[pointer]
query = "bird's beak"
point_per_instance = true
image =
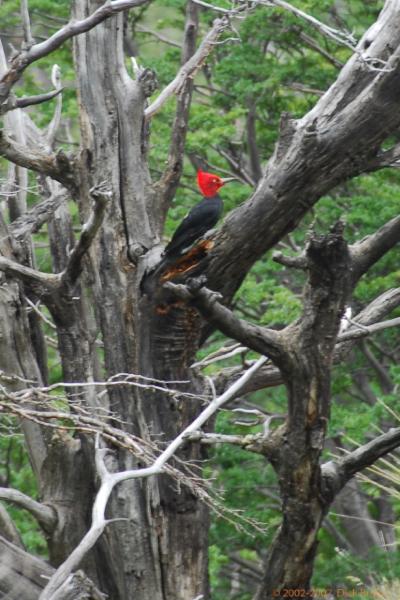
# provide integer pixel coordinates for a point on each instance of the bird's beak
(228, 179)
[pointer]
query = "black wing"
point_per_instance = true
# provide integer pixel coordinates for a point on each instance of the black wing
(200, 219)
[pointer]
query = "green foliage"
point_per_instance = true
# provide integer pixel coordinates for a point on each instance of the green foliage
(16, 472)
(347, 572)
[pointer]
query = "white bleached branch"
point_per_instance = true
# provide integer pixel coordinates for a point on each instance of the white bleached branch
(110, 480)
(190, 68)
(360, 331)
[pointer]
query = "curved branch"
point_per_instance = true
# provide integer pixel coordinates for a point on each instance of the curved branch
(292, 262)
(270, 376)
(32, 100)
(73, 28)
(47, 281)
(45, 516)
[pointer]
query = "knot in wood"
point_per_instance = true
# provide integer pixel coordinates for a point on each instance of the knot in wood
(148, 82)
(195, 284)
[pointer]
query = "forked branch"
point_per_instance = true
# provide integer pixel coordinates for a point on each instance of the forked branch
(46, 284)
(45, 516)
(32, 53)
(110, 480)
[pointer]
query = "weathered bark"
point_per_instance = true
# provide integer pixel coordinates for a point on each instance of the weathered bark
(160, 552)
(23, 577)
(306, 372)
(339, 138)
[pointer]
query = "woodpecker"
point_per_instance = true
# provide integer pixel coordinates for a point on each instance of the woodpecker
(202, 217)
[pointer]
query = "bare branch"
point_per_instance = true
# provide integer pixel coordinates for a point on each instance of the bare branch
(73, 28)
(293, 262)
(363, 254)
(225, 11)
(26, 23)
(344, 38)
(190, 68)
(158, 35)
(336, 473)
(315, 46)
(32, 220)
(100, 197)
(24, 101)
(40, 314)
(383, 374)
(238, 170)
(262, 340)
(369, 250)
(211, 439)
(172, 174)
(220, 354)
(269, 375)
(57, 166)
(258, 443)
(47, 281)
(362, 331)
(110, 480)
(44, 515)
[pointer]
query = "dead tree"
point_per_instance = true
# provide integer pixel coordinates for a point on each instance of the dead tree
(106, 287)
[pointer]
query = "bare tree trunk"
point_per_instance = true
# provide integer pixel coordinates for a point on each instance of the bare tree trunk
(160, 551)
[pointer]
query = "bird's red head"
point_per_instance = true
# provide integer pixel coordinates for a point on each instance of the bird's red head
(209, 184)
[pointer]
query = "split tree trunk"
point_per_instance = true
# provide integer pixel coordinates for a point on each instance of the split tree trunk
(160, 552)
